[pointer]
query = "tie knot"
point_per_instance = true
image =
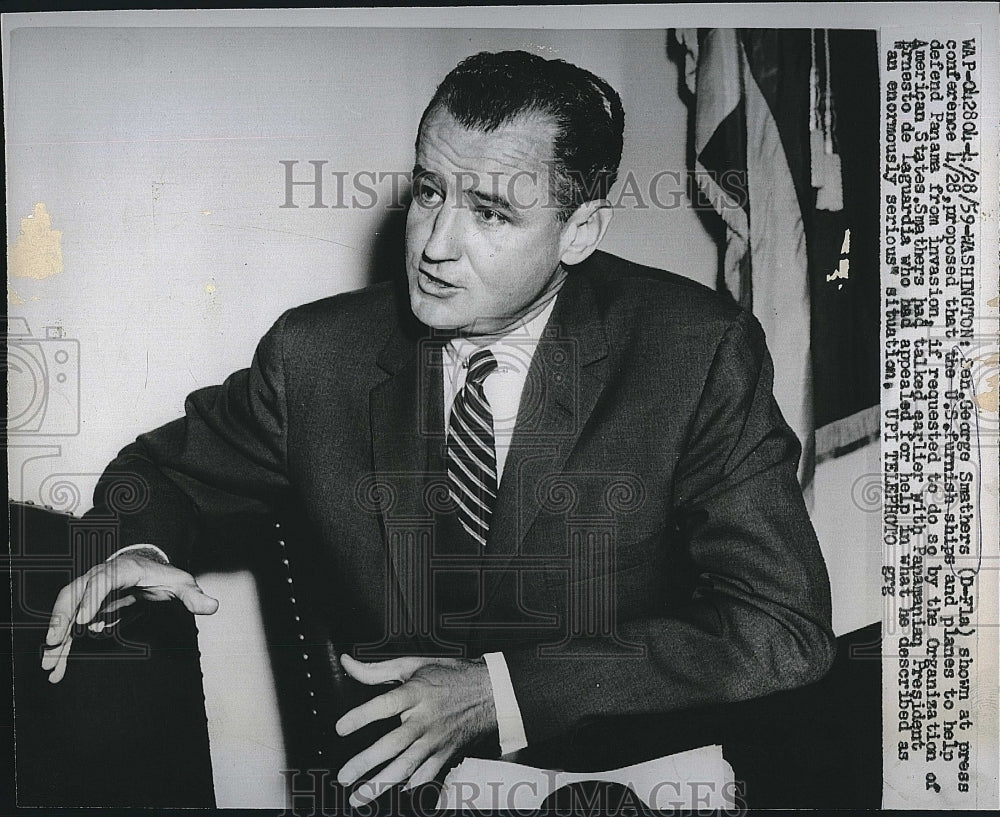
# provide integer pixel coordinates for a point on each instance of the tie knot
(481, 365)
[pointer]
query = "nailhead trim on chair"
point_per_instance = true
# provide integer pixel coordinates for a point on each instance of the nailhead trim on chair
(59, 511)
(297, 618)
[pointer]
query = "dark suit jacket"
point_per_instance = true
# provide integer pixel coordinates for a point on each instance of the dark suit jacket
(650, 550)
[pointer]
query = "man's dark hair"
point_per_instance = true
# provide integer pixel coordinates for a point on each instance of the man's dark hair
(486, 91)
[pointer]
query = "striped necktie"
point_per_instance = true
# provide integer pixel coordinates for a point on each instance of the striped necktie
(472, 458)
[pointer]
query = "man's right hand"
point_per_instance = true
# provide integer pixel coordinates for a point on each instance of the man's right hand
(85, 601)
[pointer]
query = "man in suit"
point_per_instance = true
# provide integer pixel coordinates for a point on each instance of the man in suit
(546, 484)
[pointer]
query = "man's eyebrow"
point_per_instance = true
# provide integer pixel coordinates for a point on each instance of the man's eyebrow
(421, 172)
(481, 196)
(494, 199)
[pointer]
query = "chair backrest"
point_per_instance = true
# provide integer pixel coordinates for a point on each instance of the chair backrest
(86, 741)
(313, 689)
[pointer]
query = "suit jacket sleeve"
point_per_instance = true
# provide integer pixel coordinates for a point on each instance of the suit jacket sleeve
(226, 455)
(759, 620)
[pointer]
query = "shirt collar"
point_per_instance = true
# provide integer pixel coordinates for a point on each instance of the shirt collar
(513, 349)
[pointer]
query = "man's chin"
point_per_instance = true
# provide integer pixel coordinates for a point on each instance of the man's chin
(433, 314)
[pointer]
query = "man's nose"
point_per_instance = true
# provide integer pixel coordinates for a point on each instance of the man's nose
(442, 244)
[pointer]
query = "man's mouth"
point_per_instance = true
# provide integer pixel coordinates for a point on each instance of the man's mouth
(433, 283)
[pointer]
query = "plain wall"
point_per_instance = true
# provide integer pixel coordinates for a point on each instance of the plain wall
(157, 153)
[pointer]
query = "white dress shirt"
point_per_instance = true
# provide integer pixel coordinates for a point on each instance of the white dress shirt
(503, 387)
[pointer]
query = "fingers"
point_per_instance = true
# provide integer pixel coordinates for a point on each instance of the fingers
(64, 610)
(102, 580)
(117, 604)
(104, 621)
(438, 703)
(381, 751)
(393, 702)
(383, 672)
(176, 584)
(85, 599)
(55, 658)
(195, 599)
(58, 638)
(396, 772)
(428, 770)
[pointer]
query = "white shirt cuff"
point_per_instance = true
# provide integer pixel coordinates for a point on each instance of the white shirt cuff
(509, 723)
(152, 551)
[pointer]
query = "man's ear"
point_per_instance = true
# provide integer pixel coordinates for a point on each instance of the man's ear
(584, 230)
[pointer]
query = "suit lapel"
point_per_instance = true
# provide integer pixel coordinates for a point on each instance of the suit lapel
(406, 419)
(564, 382)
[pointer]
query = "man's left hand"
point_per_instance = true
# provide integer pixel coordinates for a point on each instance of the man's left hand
(444, 704)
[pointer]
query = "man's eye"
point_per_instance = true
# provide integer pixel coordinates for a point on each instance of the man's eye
(428, 195)
(490, 216)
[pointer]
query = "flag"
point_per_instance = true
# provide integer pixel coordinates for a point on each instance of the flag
(767, 159)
